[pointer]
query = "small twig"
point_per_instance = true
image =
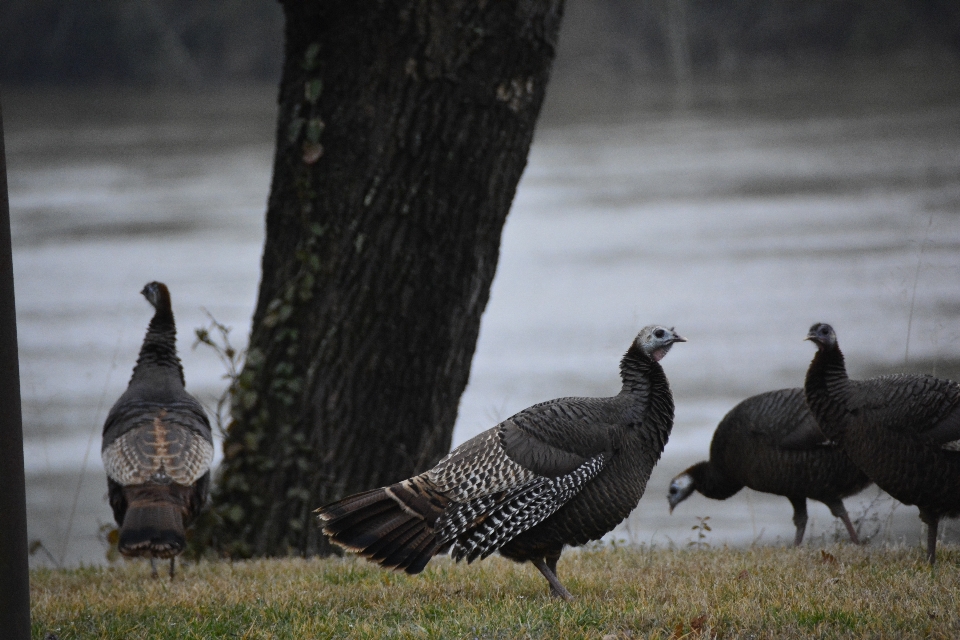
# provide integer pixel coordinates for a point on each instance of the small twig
(230, 357)
(701, 528)
(913, 295)
(86, 454)
(37, 546)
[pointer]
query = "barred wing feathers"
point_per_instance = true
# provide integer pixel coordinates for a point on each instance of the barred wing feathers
(521, 510)
(159, 449)
(473, 501)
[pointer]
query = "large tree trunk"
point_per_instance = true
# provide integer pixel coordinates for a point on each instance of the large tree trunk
(403, 130)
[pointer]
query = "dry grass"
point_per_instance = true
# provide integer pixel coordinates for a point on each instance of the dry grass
(630, 592)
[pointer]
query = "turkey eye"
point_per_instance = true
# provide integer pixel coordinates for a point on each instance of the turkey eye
(658, 333)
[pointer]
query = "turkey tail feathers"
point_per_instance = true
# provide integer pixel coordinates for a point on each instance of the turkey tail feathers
(153, 523)
(391, 526)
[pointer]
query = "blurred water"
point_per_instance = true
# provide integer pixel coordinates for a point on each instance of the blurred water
(741, 226)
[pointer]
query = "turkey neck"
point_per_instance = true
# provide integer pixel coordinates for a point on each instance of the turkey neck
(711, 482)
(827, 390)
(159, 349)
(646, 384)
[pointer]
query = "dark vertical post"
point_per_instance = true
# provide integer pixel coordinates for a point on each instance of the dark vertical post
(14, 572)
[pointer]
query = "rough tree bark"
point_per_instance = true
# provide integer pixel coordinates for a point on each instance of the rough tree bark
(403, 129)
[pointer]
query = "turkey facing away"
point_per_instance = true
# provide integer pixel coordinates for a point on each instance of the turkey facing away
(902, 430)
(157, 446)
(561, 472)
(770, 442)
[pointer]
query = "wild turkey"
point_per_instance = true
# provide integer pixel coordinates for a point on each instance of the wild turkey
(770, 442)
(902, 430)
(561, 472)
(157, 446)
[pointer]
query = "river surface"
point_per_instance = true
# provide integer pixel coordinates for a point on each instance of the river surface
(741, 212)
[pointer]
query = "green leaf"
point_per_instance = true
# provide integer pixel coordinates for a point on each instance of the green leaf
(312, 90)
(235, 513)
(310, 56)
(315, 129)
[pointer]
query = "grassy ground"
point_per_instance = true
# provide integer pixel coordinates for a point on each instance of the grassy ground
(626, 592)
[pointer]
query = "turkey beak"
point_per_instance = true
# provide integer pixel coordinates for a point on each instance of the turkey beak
(678, 338)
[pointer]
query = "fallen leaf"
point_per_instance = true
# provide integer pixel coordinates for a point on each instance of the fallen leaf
(312, 152)
(827, 558)
(698, 623)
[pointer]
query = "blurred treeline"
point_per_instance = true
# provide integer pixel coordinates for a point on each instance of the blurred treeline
(139, 41)
(225, 41)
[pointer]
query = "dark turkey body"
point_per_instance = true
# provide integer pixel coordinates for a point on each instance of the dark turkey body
(157, 445)
(607, 500)
(883, 439)
(763, 443)
(157, 458)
